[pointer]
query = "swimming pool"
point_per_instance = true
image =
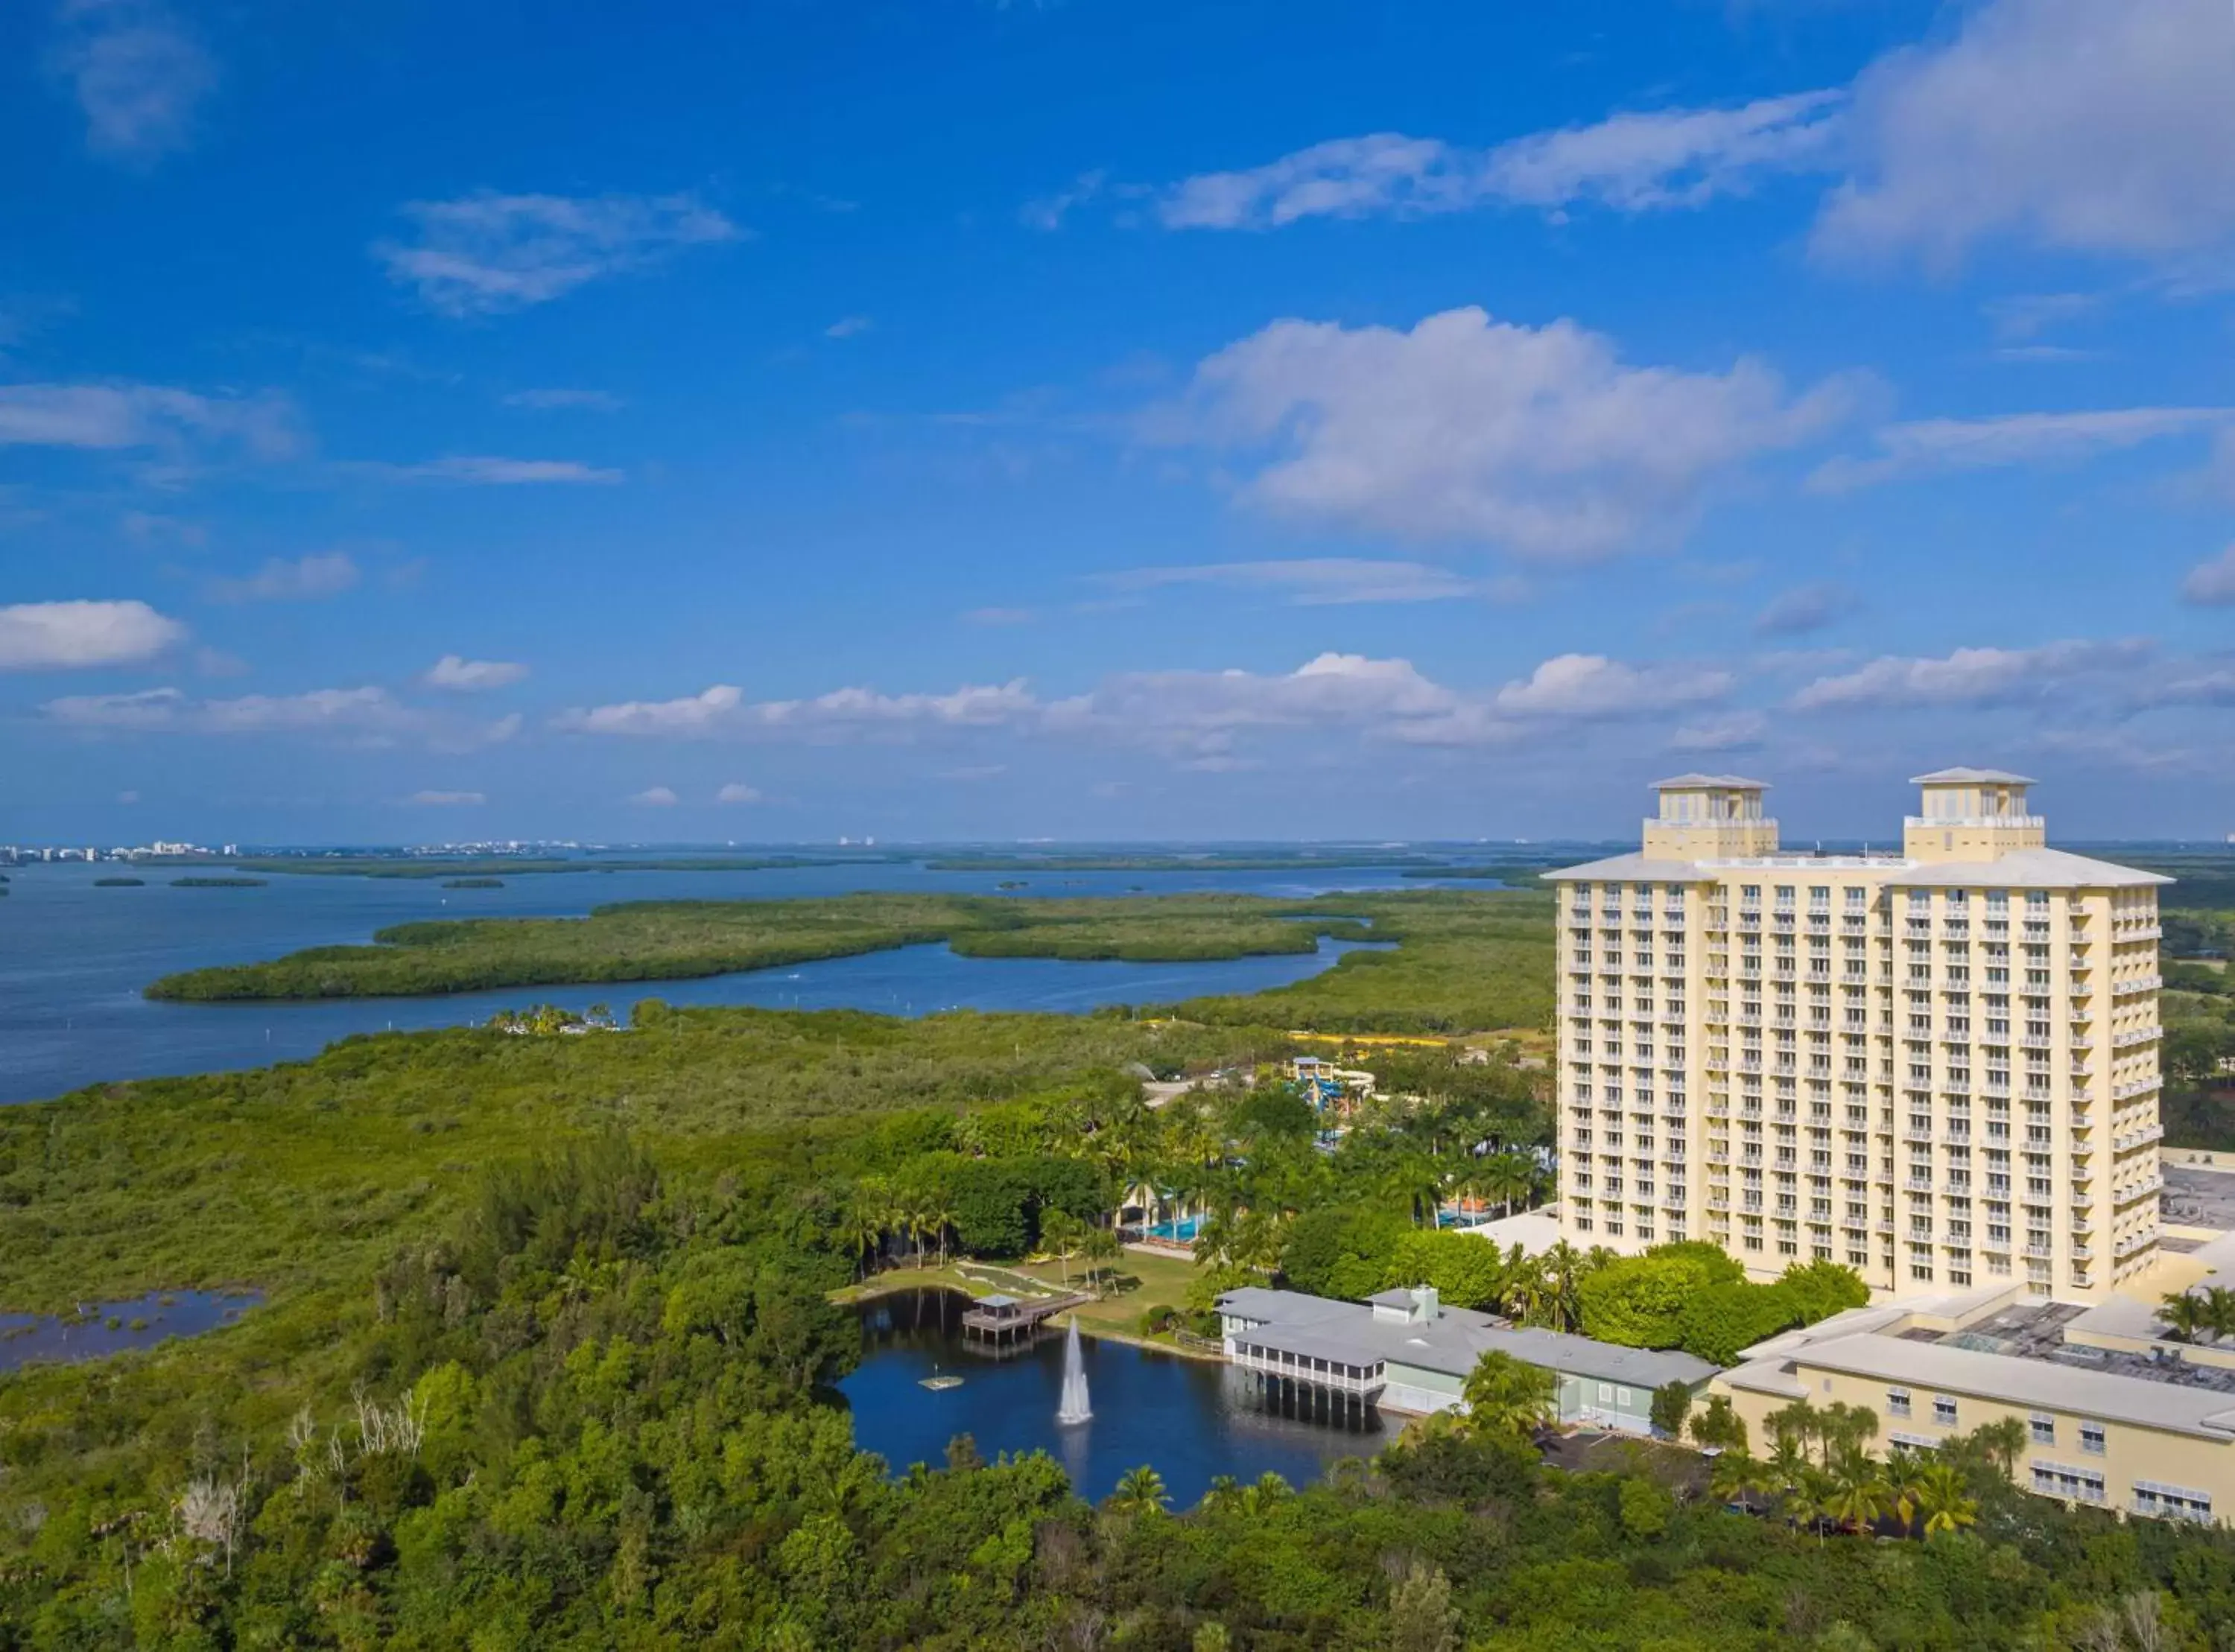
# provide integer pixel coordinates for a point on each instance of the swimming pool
(1177, 1231)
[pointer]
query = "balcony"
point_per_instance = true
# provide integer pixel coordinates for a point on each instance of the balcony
(2139, 983)
(1942, 822)
(2138, 1035)
(2136, 1087)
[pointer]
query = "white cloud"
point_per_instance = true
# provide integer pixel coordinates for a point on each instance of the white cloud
(656, 797)
(1325, 581)
(1740, 731)
(486, 253)
(2070, 124)
(358, 711)
(723, 711)
(1591, 685)
(1539, 440)
(446, 800)
(1928, 446)
(1000, 617)
(2028, 314)
(456, 672)
(307, 578)
(45, 637)
(128, 797)
(737, 792)
(486, 472)
(1049, 212)
(118, 416)
(367, 715)
(1632, 162)
(848, 327)
(1807, 608)
(2211, 583)
(548, 401)
(1972, 676)
(137, 73)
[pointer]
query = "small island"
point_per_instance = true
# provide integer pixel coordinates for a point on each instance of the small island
(218, 883)
(473, 883)
(119, 883)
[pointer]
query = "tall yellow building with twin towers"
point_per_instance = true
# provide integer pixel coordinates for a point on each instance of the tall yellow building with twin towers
(1938, 1067)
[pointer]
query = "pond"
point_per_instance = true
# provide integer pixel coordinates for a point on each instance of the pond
(112, 1328)
(1192, 1419)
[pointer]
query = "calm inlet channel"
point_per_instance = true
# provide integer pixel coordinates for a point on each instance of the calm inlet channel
(1190, 1420)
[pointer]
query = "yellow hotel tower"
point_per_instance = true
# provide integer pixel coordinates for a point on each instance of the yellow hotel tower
(1938, 1067)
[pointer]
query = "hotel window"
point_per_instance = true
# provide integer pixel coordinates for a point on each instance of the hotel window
(1897, 1402)
(2091, 1438)
(2181, 1502)
(2044, 1429)
(2079, 1485)
(1943, 1410)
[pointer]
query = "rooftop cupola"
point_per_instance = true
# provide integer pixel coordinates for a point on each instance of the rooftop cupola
(1709, 817)
(1971, 814)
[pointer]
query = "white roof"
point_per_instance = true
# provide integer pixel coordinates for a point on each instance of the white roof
(2028, 869)
(1971, 777)
(1694, 782)
(2204, 1412)
(1634, 868)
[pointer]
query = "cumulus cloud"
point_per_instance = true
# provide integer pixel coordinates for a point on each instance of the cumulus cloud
(463, 676)
(1929, 446)
(737, 792)
(138, 74)
(1591, 685)
(307, 579)
(1323, 581)
(723, 711)
(848, 327)
(2068, 124)
(1540, 440)
(1049, 212)
(486, 253)
(1807, 608)
(47, 637)
(1972, 676)
(119, 416)
(1631, 162)
(656, 797)
(446, 800)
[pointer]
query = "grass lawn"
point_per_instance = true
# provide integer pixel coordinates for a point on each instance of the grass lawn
(1139, 1282)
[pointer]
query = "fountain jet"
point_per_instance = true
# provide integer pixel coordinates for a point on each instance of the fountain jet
(1074, 1408)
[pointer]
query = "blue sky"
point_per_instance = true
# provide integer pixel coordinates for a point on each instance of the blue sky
(1110, 419)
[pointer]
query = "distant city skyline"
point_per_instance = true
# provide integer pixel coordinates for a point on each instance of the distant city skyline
(973, 421)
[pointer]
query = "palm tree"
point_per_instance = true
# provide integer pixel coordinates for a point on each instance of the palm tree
(1943, 1499)
(2002, 1443)
(1223, 1494)
(1100, 1246)
(1904, 1486)
(2182, 1314)
(1736, 1477)
(1417, 1181)
(1787, 1462)
(1060, 1232)
(1564, 1269)
(1506, 1396)
(2219, 1311)
(1857, 1495)
(1140, 1491)
(942, 1217)
(861, 1224)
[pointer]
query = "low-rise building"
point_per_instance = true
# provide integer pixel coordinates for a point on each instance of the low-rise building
(2115, 1416)
(1404, 1350)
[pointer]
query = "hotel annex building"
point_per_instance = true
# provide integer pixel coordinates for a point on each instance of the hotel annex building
(1938, 1067)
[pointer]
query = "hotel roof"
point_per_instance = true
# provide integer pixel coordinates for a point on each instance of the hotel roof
(1971, 777)
(1727, 782)
(1904, 1362)
(2029, 869)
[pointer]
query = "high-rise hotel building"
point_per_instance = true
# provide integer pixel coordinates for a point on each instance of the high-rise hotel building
(1938, 1067)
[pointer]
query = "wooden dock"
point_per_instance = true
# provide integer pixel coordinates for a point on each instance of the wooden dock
(1004, 1319)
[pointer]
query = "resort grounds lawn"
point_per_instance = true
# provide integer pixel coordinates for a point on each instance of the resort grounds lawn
(1139, 1280)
